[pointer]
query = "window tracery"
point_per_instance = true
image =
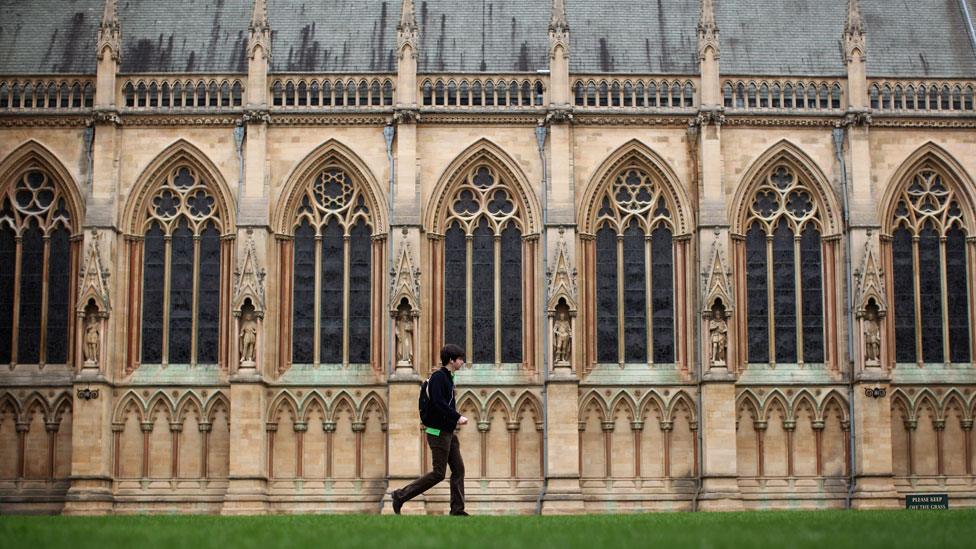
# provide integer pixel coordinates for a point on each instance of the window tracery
(35, 250)
(929, 259)
(182, 260)
(483, 269)
(332, 270)
(635, 309)
(784, 276)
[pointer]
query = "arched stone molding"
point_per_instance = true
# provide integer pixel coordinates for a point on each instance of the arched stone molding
(526, 216)
(792, 155)
(623, 401)
(136, 218)
(681, 399)
(187, 402)
(960, 190)
(181, 152)
(652, 403)
(372, 401)
(956, 177)
(823, 212)
(636, 153)
(593, 397)
(130, 399)
(33, 154)
(487, 152)
(680, 220)
(330, 153)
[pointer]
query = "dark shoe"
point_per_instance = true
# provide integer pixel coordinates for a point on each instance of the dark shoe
(460, 514)
(397, 503)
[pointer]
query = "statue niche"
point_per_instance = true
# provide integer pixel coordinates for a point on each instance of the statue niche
(562, 335)
(248, 336)
(718, 334)
(93, 336)
(872, 334)
(404, 334)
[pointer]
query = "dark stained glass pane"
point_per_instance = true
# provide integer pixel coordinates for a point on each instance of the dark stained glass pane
(756, 292)
(904, 293)
(31, 285)
(303, 296)
(360, 264)
(784, 292)
(483, 294)
(455, 296)
(330, 346)
(930, 294)
(511, 294)
(208, 308)
(958, 288)
(662, 268)
(153, 291)
(811, 281)
(635, 295)
(58, 306)
(606, 295)
(8, 255)
(181, 295)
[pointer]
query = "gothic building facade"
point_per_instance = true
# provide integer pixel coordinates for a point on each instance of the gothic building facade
(702, 254)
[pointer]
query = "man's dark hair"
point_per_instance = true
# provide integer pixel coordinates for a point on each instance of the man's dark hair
(451, 352)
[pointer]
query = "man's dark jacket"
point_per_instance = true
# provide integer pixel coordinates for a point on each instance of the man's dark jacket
(442, 412)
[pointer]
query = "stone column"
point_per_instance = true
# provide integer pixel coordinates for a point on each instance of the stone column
(720, 487)
(874, 487)
(563, 495)
(404, 445)
(248, 475)
(91, 447)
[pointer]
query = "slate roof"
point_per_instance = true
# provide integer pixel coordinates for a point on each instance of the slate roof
(482, 35)
(782, 37)
(633, 36)
(49, 36)
(333, 35)
(184, 36)
(906, 38)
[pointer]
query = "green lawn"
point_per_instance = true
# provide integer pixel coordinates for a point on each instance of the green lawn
(818, 529)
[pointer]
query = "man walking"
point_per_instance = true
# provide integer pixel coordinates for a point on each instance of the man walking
(442, 419)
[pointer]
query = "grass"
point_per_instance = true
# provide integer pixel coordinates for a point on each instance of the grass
(815, 529)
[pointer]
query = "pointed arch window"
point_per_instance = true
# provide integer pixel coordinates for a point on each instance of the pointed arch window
(635, 308)
(183, 261)
(332, 269)
(37, 259)
(930, 275)
(784, 278)
(483, 259)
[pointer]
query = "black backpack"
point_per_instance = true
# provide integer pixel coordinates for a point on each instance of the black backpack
(423, 403)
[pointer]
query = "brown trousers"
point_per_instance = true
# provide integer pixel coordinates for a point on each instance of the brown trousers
(445, 451)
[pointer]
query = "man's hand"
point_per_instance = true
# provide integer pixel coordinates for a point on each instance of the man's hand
(463, 421)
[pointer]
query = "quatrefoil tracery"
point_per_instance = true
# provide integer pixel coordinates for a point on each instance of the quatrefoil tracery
(928, 203)
(634, 196)
(782, 196)
(332, 195)
(34, 198)
(483, 195)
(183, 196)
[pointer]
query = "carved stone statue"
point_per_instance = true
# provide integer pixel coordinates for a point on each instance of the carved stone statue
(718, 330)
(404, 335)
(249, 338)
(872, 338)
(562, 337)
(92, 340)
